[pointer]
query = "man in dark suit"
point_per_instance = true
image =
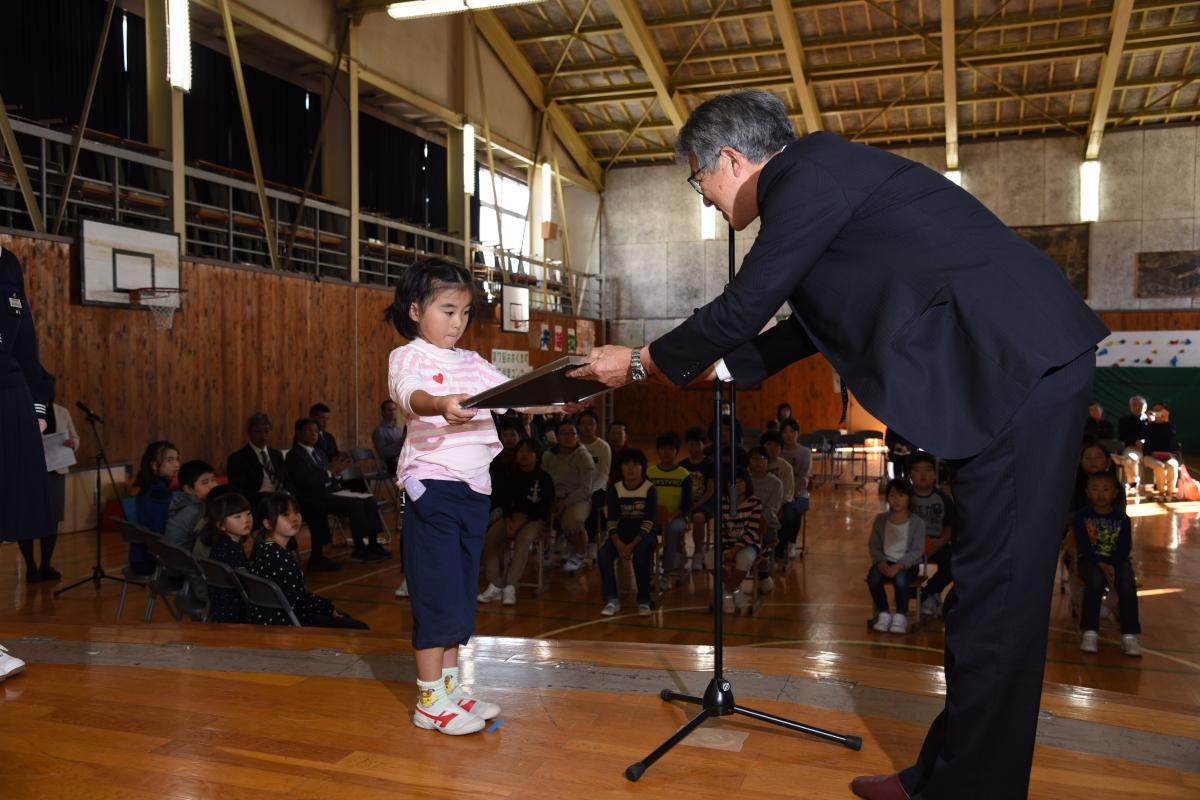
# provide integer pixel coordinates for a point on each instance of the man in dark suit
(950, 329)
(317, 486)
(325, 441)
(257, 468)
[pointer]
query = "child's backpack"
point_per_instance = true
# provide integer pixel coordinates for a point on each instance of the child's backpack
(1188, 488)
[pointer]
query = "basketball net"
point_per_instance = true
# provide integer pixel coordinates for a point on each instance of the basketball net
(163, 302)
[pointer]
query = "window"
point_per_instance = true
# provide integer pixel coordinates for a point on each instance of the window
(514, 205)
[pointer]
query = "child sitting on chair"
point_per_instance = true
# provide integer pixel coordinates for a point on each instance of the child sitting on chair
(196, 480)
(1103, 537)
(740, 541)
(279, 515)
(632, 507)
(152, 497)
(896, 545)
(673, 483)
(704, 488)
(227, 522)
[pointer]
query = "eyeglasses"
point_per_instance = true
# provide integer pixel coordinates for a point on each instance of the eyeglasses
(694, 183)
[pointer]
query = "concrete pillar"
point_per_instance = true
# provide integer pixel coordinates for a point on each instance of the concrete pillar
(164, 112)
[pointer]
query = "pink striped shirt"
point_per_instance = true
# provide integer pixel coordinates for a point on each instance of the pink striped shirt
(434, 449)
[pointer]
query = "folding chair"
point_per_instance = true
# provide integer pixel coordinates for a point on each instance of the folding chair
(219, 575)
(133, 533)
(925, 571)
(263, 593)
(179, 578)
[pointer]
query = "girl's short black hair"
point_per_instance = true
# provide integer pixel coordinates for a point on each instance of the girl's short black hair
(419, 284)
(272, 506)
(531, 444)
(900, 485)
(216, 510)
(631, 455)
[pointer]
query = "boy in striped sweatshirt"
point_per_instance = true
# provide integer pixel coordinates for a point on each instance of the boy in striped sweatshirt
(632, 504)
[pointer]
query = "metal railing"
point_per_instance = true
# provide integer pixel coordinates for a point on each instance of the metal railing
(126, 182)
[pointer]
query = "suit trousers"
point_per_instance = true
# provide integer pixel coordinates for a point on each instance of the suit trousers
(1011, 499)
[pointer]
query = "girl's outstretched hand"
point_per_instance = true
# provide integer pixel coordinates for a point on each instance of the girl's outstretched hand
(448, 406)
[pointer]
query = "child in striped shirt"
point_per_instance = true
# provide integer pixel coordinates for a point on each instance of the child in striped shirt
(443, 467)
(741, 539)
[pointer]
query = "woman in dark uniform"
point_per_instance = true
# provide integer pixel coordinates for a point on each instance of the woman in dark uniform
(26, 394)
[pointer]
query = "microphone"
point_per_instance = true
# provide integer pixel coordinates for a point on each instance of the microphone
(82, 406)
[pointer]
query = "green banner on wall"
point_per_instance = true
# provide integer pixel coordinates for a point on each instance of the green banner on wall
(1178, 387)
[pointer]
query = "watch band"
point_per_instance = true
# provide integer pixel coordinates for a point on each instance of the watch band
(637, 371)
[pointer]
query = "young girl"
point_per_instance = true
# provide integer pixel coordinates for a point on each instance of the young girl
(159, 466)
(228, 521)
(279, 515)
(896, 545)
(741, 541)
(444, 470)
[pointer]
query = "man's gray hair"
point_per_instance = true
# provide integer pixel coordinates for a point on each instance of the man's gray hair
(256, 419)
(755, 123)
(1140, 399)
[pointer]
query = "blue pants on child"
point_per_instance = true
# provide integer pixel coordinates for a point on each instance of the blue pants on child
(643, 565)
(444, 531)
(1124, 584)
(900, 583)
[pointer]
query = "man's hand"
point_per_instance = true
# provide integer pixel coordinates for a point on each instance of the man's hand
(448, 406)
(608, 364)
(340, 462)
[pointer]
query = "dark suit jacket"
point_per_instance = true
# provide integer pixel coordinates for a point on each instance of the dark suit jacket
(328, 445)
(246, 473)
(307, 479)
(937, 316)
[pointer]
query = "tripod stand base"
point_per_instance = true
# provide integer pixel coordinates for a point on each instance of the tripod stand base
(98, 575)
(718, 702)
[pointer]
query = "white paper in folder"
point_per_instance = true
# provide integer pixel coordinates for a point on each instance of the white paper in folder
(58, 455)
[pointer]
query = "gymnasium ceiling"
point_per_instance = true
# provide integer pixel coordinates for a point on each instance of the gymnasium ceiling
(627, 72)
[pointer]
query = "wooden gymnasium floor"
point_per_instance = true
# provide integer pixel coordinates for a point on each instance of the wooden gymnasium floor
(167, 710)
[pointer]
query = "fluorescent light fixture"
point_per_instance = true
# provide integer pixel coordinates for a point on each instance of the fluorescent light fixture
(411, 9)
(468, 162)
(954, 176)
(179, 46)
(546, 185)
(708, 221)
(1089, 190)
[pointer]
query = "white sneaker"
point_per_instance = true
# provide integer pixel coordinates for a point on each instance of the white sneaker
(883, 622)
(480, 708)
(644, 610)
(741, 600)
(572, 564)
(510, 596)
(766, 585)
(403, 590)
(491, 594)
(1130, 645)
(727, 604)
(931, 606)
(9, 665)
(448, 718)
(610, 608)
(791, 552)
(1089, 642)
(899, 624)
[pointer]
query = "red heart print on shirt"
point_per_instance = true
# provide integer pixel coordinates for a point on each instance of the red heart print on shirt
(440, 378)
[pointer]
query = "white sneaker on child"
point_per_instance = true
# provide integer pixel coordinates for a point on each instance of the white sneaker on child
(491, 594)
(727, 604)
(899, 624)
(510, 596)
(455, 694)
(572, 564)
(883, 622)
(438, 713)
(791, 552)
(610, 608)
(1089, 642)
(9, 665)
(766, 585)
(741, 599)
(644, 610)
(1130, 645)
(403, 590)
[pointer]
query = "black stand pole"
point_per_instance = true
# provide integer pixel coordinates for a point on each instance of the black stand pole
(98, 573)
(718, 697)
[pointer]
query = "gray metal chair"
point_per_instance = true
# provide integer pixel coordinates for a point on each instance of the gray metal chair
(179, 579)
(135, 534)
(265, 594)
(219, 575)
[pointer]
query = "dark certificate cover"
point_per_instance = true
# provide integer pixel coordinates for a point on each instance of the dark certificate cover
(544, 386)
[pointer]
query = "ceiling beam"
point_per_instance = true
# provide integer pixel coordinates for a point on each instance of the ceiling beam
(644, 47)
(789, 34)
(949, 85)
(523, 73)
(1118, 29)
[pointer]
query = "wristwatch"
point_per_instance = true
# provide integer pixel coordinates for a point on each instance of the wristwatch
(637, 372)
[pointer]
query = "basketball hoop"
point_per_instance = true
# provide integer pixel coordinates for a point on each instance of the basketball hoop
(162, 301)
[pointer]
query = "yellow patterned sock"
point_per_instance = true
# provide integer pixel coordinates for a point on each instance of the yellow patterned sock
(430, 692)
(450, 680)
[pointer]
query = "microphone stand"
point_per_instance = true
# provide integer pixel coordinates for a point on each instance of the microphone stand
(718, 697)
(98, 574)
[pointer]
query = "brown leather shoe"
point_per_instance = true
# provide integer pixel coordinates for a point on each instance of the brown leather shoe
(879, 787)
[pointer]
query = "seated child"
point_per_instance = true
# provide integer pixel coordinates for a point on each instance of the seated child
(703, 491)
(673, 484)
(740, 541)
(1103, 537)
(196, 480)
(937, 510)
(527, 497)
(152, 499)
(227, 522)
(789, 510)
(896, 545)
(632, 504)
(279, 515)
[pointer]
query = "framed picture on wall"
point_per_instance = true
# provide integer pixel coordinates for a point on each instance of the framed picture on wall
(1066, 245)
(1172, 274)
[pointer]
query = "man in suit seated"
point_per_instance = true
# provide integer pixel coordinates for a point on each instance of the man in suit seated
(327, 444)
(257, 468)
(316, 484)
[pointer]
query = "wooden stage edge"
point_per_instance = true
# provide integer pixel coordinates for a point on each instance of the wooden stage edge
(166, 710)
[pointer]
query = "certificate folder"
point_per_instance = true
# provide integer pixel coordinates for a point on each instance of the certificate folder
(544, 386)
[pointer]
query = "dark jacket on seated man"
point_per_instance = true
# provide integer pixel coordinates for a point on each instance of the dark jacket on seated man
(315, 488)
(246, 473)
